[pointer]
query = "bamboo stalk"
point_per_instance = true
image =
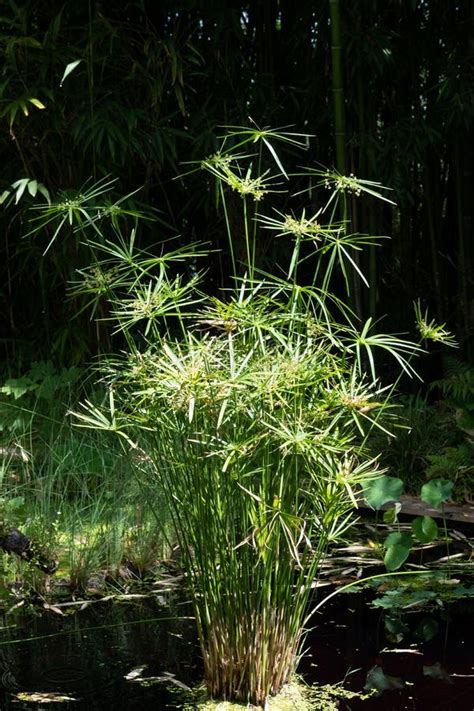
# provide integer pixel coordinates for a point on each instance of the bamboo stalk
(337, 86)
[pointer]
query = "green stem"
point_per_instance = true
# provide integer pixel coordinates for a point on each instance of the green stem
(228, 229)
(250, 249)
(337, 85)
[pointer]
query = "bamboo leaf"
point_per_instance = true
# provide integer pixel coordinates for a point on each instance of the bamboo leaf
(36, 102)
(69, 69)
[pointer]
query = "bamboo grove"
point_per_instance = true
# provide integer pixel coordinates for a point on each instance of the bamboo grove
(385, 89)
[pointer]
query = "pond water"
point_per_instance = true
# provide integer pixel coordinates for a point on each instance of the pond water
(429, 655)
(87, 655)
(426, 659)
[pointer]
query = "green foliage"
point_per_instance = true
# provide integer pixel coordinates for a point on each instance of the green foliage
(436, 492)
(254, 410)
(73, 494)
(42, 379)
(455, 460)
(12, 509)
(67, 120)
(35, 402)
(436, 441)
(420, 592)
(382, 490)
(425, 529)
(457, 463)
(458, 384)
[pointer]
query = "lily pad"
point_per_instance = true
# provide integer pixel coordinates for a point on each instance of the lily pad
(395, 556)
(400, 599)
(427, 629)
(436, 671)
(437, 492)
(398, 538)
(382, 490)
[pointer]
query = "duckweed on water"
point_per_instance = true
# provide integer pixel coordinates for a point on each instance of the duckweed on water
(295, 696)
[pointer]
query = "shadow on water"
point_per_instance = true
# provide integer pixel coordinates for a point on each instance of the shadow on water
(425, 659)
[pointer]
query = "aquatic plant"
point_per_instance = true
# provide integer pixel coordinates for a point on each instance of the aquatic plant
(251, 410)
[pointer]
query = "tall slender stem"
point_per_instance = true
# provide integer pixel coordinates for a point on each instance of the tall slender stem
(337, 86)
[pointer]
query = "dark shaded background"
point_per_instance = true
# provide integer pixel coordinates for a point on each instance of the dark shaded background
(158, 79)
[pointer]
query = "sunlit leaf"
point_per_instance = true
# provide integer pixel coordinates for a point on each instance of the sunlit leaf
(437, 492)
(32, 187)
(70, 68)
(36, 102)
(382, 490)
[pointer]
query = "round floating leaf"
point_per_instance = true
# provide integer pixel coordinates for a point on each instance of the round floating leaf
(425, 529)
(436, 492)
(436, 671)
(395, 556)
(382, 490)
(377, 681)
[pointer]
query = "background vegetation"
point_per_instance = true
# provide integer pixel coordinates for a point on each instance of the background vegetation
(153, 82)
(103, 106)
(107, 113)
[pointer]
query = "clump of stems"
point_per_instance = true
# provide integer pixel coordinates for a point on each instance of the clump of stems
(254, 410)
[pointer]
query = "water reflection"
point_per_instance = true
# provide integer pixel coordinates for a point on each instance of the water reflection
(87, 655)
(420, 660)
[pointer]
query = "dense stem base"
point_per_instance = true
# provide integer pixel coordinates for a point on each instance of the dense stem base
(250, 661)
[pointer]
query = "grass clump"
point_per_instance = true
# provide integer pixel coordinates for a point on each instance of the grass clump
(73, 494)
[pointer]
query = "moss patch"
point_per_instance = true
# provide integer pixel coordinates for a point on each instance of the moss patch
(292, 696)
(295, 696)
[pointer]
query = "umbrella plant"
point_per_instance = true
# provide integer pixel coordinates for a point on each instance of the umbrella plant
(251, 409)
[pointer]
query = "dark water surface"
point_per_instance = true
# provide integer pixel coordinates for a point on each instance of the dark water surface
(430, 653)
(87, 655)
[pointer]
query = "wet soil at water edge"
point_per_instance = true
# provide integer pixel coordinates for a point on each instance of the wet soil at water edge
(101, 658)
